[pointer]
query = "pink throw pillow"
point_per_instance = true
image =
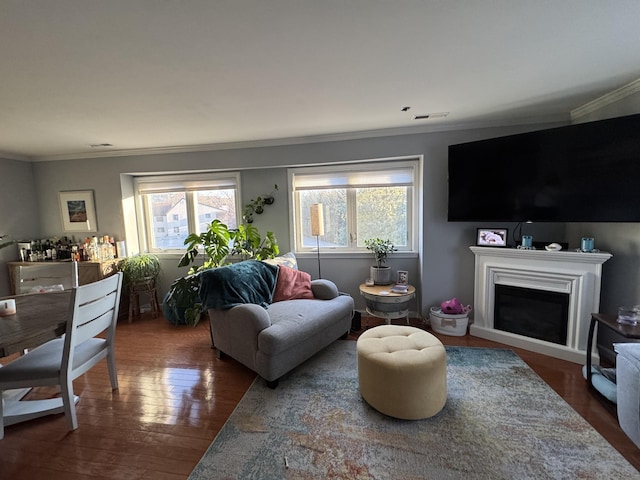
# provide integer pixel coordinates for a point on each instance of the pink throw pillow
(292, 284)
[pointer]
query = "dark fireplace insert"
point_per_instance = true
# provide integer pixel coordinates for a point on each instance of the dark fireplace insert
(532, 313)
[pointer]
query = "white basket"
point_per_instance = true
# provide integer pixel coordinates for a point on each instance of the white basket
(448, 324)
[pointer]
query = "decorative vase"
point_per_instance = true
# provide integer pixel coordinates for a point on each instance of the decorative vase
(380, 275)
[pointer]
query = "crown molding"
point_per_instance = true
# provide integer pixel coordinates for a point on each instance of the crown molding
(334, 137)
(15, 156)
(607, 99)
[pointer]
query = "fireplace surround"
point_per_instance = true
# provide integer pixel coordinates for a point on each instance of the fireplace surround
(576, 274)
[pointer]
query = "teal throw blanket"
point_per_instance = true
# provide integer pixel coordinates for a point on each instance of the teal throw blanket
(250, 281)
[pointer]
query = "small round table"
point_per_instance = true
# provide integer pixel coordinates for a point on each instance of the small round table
(383, 303)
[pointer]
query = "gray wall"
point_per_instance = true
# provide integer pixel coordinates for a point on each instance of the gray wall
(446, 263)
(19, 212)
(621, 274)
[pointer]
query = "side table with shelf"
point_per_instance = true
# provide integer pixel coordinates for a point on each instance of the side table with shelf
(383, 303)
(609, 321)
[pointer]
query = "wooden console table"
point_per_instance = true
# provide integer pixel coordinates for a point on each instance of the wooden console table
(88, 272)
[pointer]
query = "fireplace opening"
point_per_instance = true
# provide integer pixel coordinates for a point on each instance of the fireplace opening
(533, 313)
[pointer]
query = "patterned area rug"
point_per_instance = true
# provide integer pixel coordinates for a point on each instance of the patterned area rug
(501, 421)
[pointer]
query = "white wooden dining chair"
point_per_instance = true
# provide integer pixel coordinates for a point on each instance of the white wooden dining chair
(93, 311)
(42, 275)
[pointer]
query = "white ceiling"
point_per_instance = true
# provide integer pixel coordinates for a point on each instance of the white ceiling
(163, 74)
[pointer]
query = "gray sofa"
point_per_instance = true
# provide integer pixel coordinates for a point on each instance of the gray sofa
(628, 388)
(275, 338)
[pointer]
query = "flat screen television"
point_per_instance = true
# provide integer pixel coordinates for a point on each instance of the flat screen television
(588, 172)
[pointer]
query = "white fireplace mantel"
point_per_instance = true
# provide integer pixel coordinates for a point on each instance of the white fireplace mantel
(576, 273)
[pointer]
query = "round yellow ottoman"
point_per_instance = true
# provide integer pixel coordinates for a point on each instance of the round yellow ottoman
(402, 371)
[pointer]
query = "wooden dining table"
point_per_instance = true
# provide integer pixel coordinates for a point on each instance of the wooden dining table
(39, 317)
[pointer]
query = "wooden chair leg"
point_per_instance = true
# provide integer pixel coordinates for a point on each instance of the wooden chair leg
(155, 308)
(131, 302)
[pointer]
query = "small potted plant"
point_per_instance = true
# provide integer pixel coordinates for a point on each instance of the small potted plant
(139, 268)
(139, 276)
(256, 205)
(380, 274)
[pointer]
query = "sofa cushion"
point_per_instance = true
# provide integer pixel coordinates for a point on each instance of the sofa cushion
(292, 284)
(296, 321)
(288, 259)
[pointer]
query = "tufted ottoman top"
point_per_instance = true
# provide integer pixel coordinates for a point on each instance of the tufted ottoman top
(401, 345)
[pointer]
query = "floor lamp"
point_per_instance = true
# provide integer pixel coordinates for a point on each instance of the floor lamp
(317, 228)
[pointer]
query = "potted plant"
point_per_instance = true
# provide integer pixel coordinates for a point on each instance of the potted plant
(139, 275)
(139, 268)
(182, 302)
(380, 274)
(256, 205)
(248, 243)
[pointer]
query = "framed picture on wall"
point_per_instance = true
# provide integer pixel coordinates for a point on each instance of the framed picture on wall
(492, 237)
(78, 211)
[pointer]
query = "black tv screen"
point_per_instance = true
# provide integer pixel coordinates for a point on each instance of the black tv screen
(587, 172)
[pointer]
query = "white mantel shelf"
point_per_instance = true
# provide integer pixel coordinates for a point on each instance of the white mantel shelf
(577, 274)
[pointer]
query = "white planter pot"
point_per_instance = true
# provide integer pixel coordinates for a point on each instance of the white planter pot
(380, 275)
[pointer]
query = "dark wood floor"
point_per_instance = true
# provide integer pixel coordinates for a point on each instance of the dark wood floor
(174, 397)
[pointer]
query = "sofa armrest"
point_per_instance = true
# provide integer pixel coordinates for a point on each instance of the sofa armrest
(235, 331)
(324, 289)
(250, 318)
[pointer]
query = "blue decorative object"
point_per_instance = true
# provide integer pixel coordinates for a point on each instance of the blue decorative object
(586, 244)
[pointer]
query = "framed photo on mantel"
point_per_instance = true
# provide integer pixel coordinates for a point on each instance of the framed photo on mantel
(492, 237)
(78, 211)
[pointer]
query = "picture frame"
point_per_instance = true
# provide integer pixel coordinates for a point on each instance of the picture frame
(492, 237)
(403, 278)
(78, 211)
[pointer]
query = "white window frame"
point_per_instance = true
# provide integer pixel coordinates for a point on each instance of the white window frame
(188, 183)
(414, 163)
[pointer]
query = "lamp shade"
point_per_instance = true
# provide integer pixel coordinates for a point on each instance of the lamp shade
(317, 220)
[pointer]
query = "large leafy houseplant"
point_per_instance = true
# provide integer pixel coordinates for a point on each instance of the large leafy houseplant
(248, 243)
(217, 243)
(182, 303)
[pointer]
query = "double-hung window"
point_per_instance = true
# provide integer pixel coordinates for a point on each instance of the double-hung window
(359, 201)
(175, 206)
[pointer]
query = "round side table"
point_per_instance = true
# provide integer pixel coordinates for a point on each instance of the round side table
(383, 303)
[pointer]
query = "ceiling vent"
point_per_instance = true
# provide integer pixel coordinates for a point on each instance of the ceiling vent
(431, 115)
